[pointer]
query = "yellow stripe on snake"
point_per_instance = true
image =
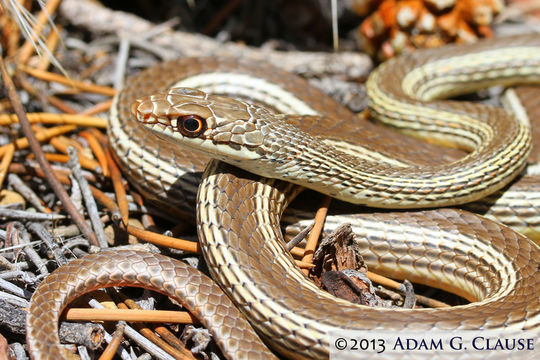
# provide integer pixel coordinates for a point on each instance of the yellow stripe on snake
(238, 213)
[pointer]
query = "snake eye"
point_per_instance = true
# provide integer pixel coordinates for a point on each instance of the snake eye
(191, 125)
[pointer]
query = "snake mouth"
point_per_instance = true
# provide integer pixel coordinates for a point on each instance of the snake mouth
(134, 108)
(142, 111)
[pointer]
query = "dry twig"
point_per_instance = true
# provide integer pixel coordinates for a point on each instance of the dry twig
(34, 145)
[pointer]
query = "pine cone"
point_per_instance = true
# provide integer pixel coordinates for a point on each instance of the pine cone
(395, 26)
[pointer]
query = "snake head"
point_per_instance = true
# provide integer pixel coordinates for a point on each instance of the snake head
(217, 126)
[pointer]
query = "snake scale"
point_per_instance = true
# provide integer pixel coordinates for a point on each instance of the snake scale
(238, 213)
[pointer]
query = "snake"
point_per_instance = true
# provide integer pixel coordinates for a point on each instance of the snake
(288, 136)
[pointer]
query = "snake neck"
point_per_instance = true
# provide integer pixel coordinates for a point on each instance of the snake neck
(291, 154)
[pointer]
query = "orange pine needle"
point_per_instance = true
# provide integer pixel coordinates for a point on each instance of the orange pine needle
(163, 240)
(61, 79)
(119, 190)
(112, 347)
(166, 338)
(315, 233)
(297, 251)
(57, 119)
(79, 314)
(51, 44)
(62, 146)
(22, 143)
(304, 265)
(6, 161)
(98, 108)
(98, 151)
(61, 158)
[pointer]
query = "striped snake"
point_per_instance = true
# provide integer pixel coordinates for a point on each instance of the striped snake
(238, 213)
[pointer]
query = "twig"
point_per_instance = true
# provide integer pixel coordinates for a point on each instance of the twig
(335, 34)
(83, 353)
(139, 339)
(98, 108)
(8, 265)
(89, 335)
(118, 185)
(18, 351)
(14, 300)
(83, 159)
(176, 347)
(12, 36)
(51, 99)
(389, 283)
(15, 290)
(114, 344)
(297, 251)
(86, 163)
(349, 65)
(150, 335)
(146, 218)
(304, 265)
(162, 240)
(98, 151)
(64, 179)
(50, 118)
(61, 172)
(45, 235)
(19, 235)
(49, 76)
(313, 238)
(107, 202)
(122, 353)
(175, 342)
(299, 237)
(410, 299)
(23, 143)
(18, 185)
(394, 296)
(27, 277)
(28, 215)
(136, 315)
(89, 200)
(36, 149)
(62, 142)
(6, 161)
(121, 61)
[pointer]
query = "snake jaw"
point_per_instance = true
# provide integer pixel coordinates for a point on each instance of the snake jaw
(229, 129)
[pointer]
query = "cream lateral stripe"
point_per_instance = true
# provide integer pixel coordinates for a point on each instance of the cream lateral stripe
(362, 153)
(432, 73)
(256, 88)
(389, 105)
(512, 104)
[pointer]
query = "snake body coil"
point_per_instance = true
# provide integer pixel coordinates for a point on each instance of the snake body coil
(239, 213)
